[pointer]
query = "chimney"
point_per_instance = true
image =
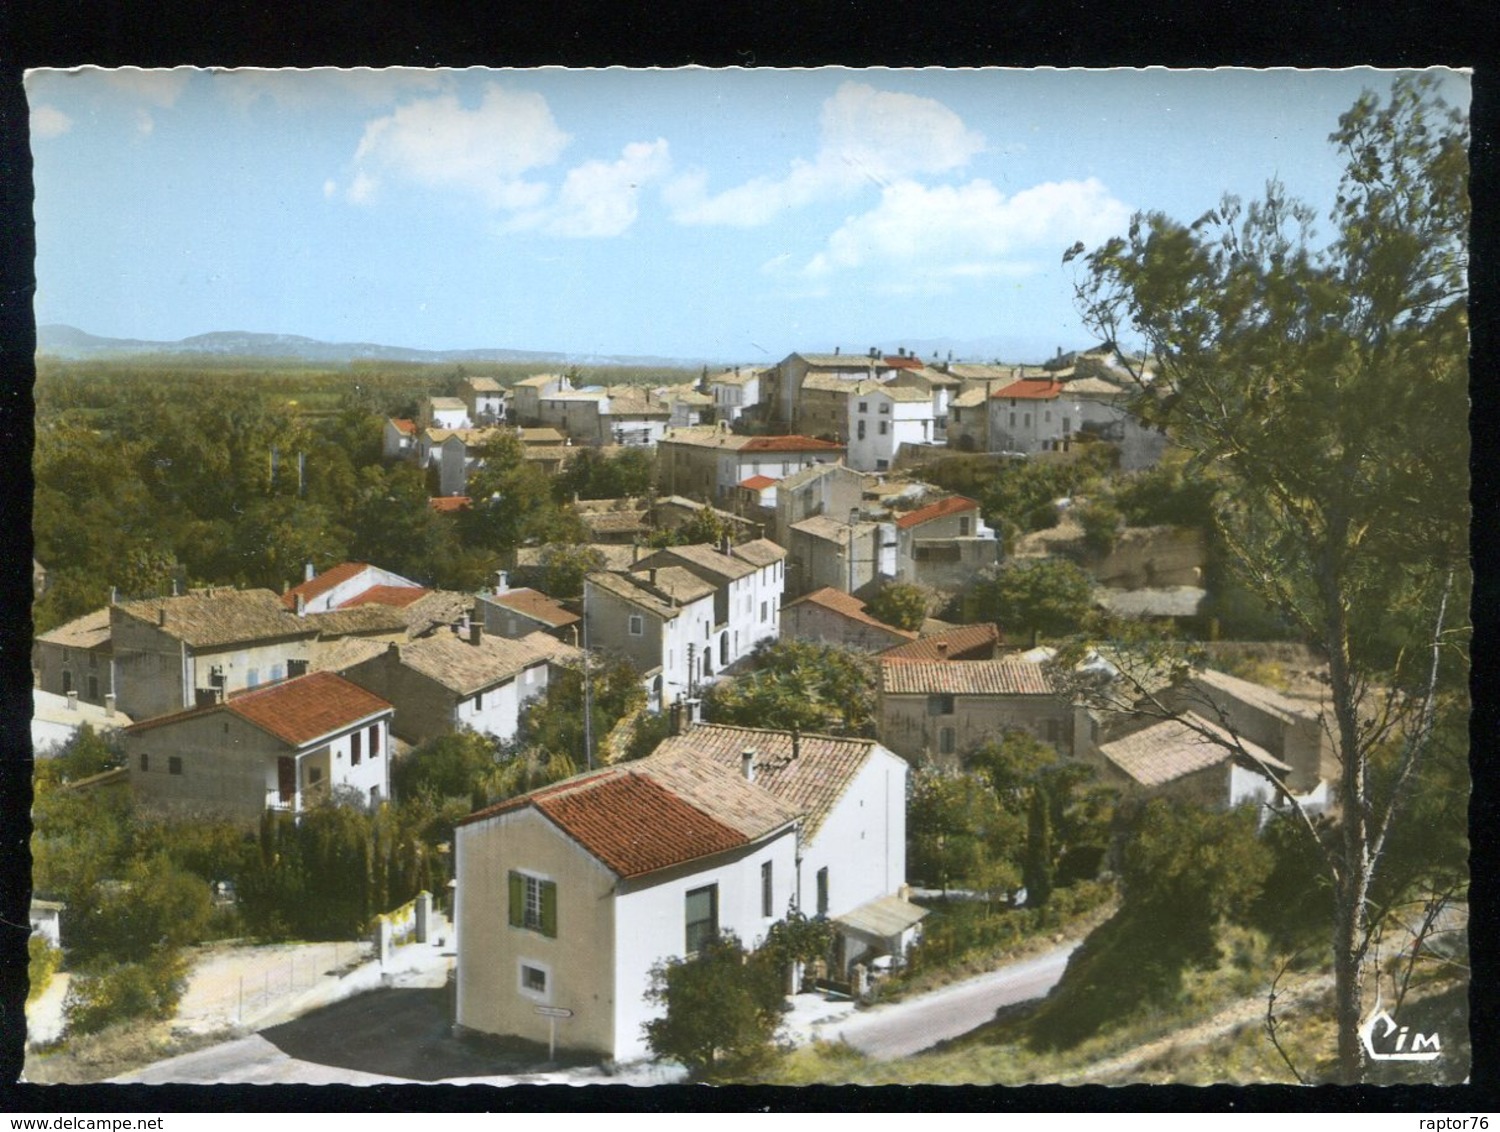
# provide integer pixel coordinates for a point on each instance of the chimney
(308, 573)
(476, 632)
(942, 649)
(161, 616)
(725, 545)
(747, 763)
(109, 704)
(301, 605)
(174, 587)
(635, 553)
(114, 594)
(72, 701)
(651, 575)
(502, 582)
(836, 351)
(796, 742)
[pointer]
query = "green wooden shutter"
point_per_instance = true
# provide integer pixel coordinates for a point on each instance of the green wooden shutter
(517, 900)
(549, 909)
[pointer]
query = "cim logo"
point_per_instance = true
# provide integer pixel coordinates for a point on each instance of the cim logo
(1377, 1033)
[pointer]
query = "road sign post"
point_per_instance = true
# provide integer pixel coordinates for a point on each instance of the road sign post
(552, 1014)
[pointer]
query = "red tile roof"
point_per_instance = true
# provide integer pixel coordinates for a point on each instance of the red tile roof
(398, 596)
(1030, 389)
(536, 605)
(1005, 677)
(950, 506)
(445, 504)
(323, 582)
(902, 361)
(790, 444)
(404, 425)
(758, 483)
(846, 605)
(967, 642)
(296, 711)
(654, 813)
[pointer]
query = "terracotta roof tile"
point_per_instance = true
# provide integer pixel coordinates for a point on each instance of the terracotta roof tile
(1171, 748)
(966, 642)
(405, 426)
(398, 596)
(447, 504)
(953, 505)
(654, 814)
(296, 711)
(846, 605)
(758, 483)
(790, 444)
(465, 668)
(322, 583)
(1004, 677)
(811, 783)
(86, 632)
(536, 605)
(208, 618)
(1031, 389)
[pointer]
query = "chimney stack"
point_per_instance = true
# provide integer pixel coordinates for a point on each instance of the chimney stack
(796, 742)
(109, 704)
(72, 701)
(161, 616)
(301, 605)
(502, 582)
(114, 594)
(942, 649)
(651, 575)
(476, 632)
(747, 763)
(174, 587)
(308, 574)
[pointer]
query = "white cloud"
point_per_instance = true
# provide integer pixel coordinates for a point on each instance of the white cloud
(971, 229)
(362, 188)
(144, 123)
(49, 121)
(330, 189)
(601, 198)
(868, 136)
(484, 151)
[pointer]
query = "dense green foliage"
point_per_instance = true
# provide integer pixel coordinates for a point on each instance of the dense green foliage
(591, 474)
(706, 526)
(1185, 871)
(1048, 596)
(958, 835)
(1326, 383)
(800, 685)
(900, 604)
(125, 992)
(722, 1010)
(554, 723)
(239, 472)
(1059, 817)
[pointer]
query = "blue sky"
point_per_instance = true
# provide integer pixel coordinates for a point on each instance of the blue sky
(730, 215)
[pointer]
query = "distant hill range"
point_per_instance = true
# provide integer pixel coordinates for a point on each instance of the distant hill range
(62, 341)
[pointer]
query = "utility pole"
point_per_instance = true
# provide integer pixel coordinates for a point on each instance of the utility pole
(588, 689)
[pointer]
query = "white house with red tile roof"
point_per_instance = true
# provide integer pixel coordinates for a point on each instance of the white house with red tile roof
(1027, 416)
(566, 897)
(284, 746)
(339, 586)
(941, 544)
(399, 438)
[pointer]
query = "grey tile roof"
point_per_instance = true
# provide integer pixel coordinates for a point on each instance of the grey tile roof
(86, 632)
(463, 667)
(208, 618)
(1171, 748)
(1004, 677)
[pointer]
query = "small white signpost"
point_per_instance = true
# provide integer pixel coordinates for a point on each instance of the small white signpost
(552, 1014)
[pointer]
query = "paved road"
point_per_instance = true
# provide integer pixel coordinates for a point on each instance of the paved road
(904, 1028)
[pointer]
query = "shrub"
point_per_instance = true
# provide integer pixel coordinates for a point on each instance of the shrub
(128, 991)
(42, 962)
(900, 604)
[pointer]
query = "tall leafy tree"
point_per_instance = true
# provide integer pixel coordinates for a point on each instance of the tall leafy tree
(1326, 381)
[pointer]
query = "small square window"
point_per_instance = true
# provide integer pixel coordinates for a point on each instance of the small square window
(637, 625)
(533, 979)
(174, 765)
